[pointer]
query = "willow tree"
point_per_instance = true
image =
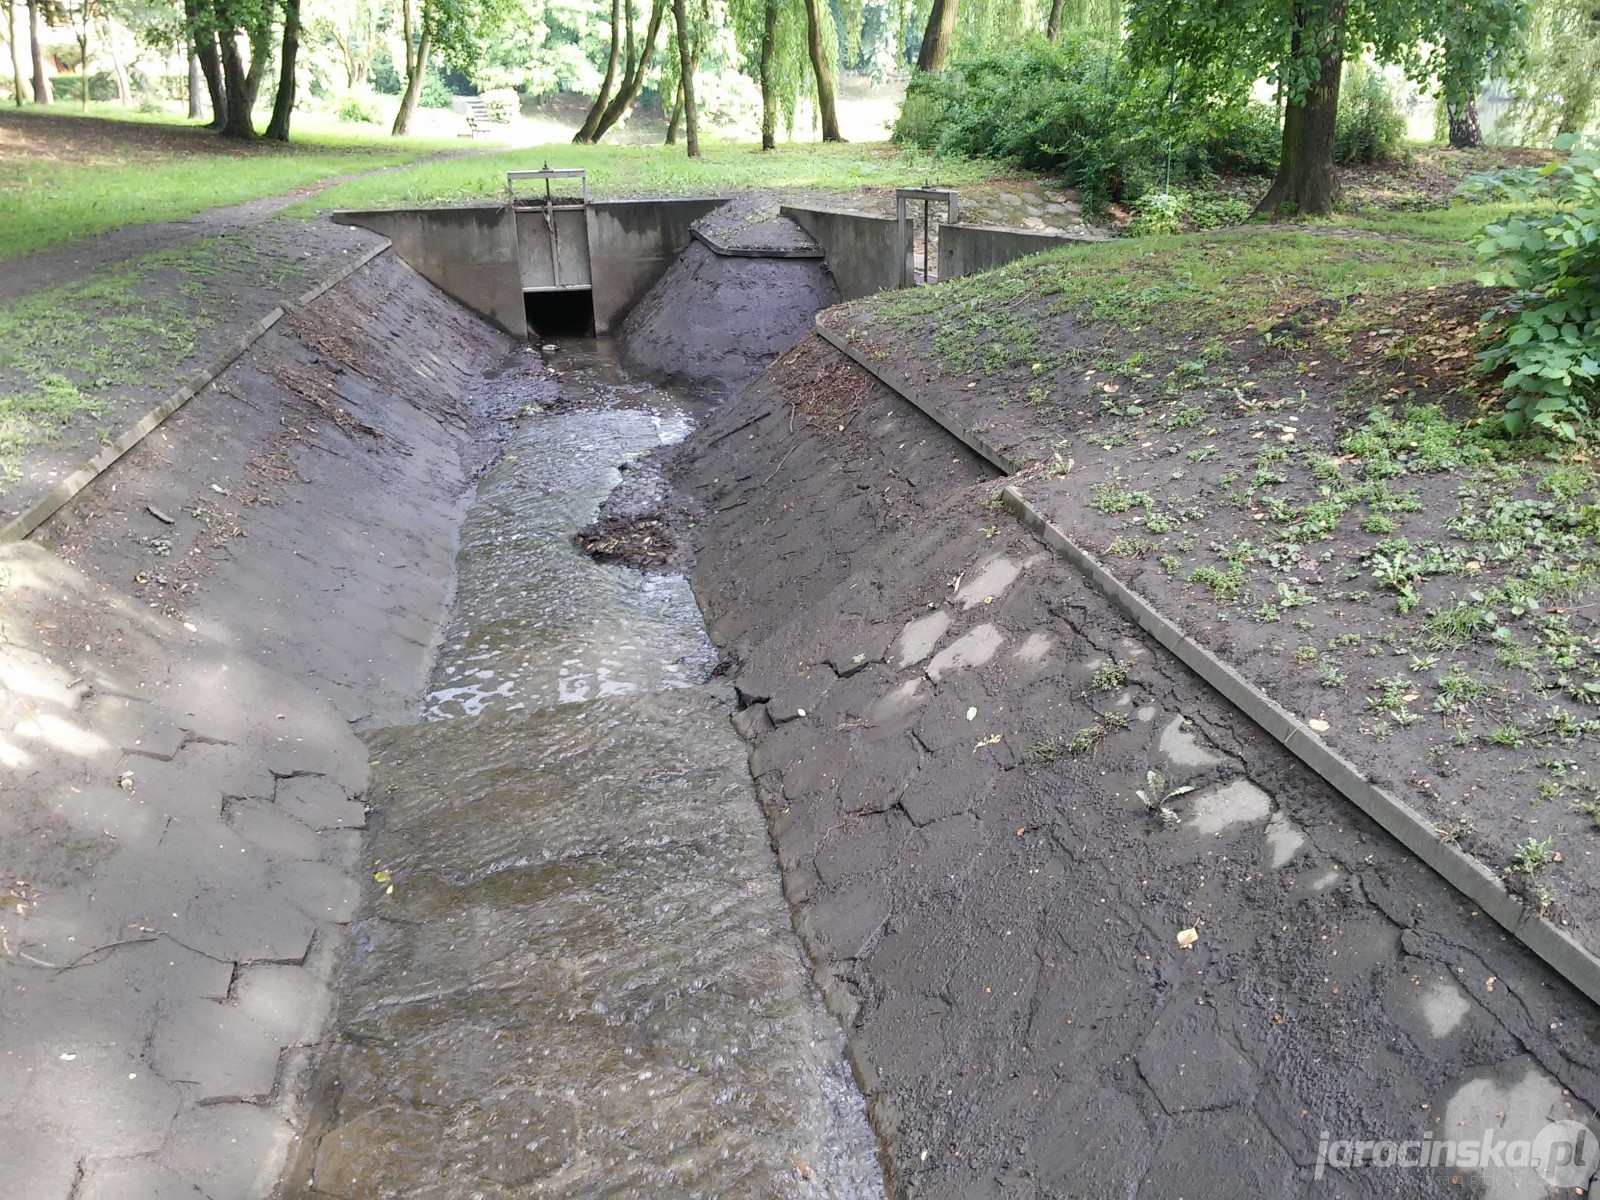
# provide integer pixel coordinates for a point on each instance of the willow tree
(771, 36)
(1092, 16)
(1477, 39)
(1300, 45)
(822, 47)
(1555, 74)
(451, 28)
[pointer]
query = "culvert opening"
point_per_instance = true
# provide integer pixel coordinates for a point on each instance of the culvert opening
(568, 312)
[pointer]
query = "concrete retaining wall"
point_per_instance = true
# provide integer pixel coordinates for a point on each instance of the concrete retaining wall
(968, 249)
(469, 253)
(631, 245)
(860, 250)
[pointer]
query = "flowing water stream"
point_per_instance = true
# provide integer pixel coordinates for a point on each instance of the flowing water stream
(575, 974)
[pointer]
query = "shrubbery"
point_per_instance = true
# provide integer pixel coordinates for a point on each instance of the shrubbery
(1547, 333)
(359, 111)
(1370, 125)
(1077, 107)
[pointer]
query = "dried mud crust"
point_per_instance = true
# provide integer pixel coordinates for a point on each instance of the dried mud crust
(1419, 595)
(950, 733)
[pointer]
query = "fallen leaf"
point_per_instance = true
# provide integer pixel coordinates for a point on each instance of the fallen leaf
(1188, 937)
(1318, 724)
(972, 714)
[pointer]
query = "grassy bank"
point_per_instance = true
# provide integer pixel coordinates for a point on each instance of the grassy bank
(65, 177)
(619, 171)
(1279, 436)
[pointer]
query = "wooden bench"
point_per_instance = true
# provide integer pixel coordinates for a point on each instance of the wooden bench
(477, 117)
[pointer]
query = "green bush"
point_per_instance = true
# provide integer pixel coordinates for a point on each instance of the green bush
(1370, 126)
(502, 104)
(1159, 212)
(1248, 139)
(434, 93)
(102, 86)
(359, 111)
(1077, 108)
(1547, 332)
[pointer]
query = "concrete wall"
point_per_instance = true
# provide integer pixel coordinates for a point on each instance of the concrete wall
(860, 250)
(631, 245)
(968, 249)
(469, 253)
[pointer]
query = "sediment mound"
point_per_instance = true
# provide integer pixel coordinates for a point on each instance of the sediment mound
(715, 320)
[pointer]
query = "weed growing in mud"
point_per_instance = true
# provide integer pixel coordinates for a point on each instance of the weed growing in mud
(1108, 676)
(1224, 585)
(1531, 855)
(1394, 696)
(1086, 739)
(1041, 754)
(1111, 497)
(1456, 832)
(1126, 547)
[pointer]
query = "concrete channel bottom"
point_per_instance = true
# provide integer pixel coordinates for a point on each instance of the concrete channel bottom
(575, 972)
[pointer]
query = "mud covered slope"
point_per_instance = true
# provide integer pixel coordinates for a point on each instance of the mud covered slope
(716, 321)
(303, 508)
(950, 736)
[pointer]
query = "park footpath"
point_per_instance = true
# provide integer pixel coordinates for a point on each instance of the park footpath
(185, 649)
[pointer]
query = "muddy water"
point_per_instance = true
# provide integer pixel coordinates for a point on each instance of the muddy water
(575, 973)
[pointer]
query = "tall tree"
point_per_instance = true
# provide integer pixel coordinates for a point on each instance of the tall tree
(83, 15)
(824, 50)
(418, 39)
(19, 86)
(197, 85)
(936, 38)
(41, 81)
(1300, 45)
(633, 81)
(769, 75)
(283, 102)
(686, 57)
(602, 97)
(1476, 41)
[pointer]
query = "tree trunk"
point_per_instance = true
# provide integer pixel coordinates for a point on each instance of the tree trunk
(602, 98)
(124, 92)
(19, 86)
(769, 85)
(209, 53)
(822, 67)
(1052, 26)
(624, 98)
(1464, 131)
(83, 65)
(416, 64)
(687, 58)
(260, 38)
(283, 102)
(677, 115)
(1307, 181)
(41, 81)
(936, 37)
(197, 83)
(238, 123)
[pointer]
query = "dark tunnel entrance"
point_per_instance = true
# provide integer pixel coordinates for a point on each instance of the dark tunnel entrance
(567, 312)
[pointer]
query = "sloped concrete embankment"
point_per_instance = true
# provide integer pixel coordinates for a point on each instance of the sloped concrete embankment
(997, 805)
(185, 648)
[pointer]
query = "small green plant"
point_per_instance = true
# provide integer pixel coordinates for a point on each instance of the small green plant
(1510, 735)
(1170, 563)
(1330, 676)
(1086, 739)
(1108, 676)
(1532, 855)
(1126, 547)
(1155, 795)
(1042, 753)
(1224, 585)
(1111, 497)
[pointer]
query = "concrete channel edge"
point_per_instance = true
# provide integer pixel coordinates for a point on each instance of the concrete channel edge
(42, 509)
(1563, 953)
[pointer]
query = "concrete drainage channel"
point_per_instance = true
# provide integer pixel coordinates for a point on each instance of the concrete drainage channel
(571, 970)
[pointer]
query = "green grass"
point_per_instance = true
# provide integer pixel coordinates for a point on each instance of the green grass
(618, 171)
(176, 173)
